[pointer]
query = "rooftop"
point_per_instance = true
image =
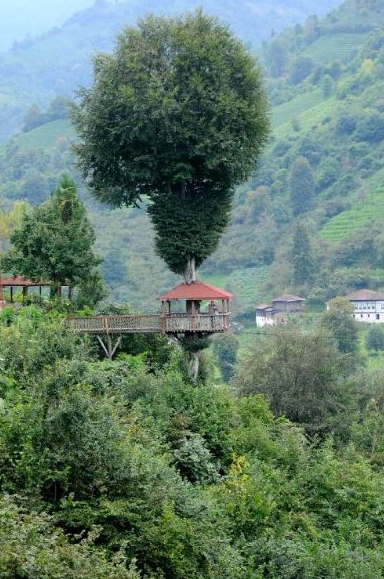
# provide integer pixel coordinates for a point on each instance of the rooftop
(20, 281)
(365, 295)
(196, 291)
(288, 298)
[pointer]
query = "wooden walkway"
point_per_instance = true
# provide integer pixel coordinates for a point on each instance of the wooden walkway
(153, 323)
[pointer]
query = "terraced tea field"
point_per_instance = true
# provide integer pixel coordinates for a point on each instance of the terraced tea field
(244, 283)
(361, 213)
(308, 118)
(334, 47)
(45, 136)
(287, 111)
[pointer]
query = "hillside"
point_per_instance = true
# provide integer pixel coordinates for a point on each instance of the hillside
(327, 108)
(60, 60)
(21, 18)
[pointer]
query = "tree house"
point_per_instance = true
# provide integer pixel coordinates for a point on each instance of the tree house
(190, 321)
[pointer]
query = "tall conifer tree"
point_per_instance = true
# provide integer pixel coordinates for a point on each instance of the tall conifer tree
(302, 256)
(302, 186)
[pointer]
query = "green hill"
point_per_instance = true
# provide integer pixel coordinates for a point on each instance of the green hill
(330, 111)
(58, 61)
(336, 46)
(363, 211)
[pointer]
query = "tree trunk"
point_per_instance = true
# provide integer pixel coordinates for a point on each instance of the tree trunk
(55, 290)
(193, 369)
(190, 271)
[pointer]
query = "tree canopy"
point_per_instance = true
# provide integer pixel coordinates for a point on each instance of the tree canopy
(339, 321)
(177, 113)
(302, 186)
(299, 372)
(374, 339)
(302, 258)
(55, 241)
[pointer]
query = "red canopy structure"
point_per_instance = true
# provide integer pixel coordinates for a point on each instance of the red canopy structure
(190, 321)
(197, 291)
(194, 293)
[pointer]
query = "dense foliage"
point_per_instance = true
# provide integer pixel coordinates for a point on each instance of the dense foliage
(55, 242)
(117, 469)
(177, 113)
(126, 469)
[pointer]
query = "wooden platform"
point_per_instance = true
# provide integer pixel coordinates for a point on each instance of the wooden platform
(153, 323)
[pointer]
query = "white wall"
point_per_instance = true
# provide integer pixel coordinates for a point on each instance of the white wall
(262, 321)
(369, 312)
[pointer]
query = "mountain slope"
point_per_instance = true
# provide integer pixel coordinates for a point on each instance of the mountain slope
(334, 116)
(60, 60)
(20, 18)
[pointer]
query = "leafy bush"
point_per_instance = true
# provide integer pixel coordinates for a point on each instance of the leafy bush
(225, 351)
(374, 339)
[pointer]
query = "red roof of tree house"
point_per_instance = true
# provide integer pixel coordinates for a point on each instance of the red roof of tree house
(196, 291)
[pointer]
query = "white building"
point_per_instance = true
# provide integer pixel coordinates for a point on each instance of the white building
(264, 315)
(269, 315)
(368, 306)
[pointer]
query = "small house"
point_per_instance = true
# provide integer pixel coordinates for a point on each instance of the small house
(368, 306)
(269, 315)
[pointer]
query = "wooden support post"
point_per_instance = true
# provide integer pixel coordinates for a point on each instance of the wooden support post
(11, 294)
(109, 348)
(226, 315)
(163, 318)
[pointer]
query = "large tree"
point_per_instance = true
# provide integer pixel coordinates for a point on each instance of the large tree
(299, 372)
(55, 241)
(177, 114)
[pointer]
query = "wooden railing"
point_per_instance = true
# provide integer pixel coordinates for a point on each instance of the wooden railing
(132, 324)
(180, 323)
(115, 324)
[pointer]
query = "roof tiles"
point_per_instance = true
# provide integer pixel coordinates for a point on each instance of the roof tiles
(196, 291)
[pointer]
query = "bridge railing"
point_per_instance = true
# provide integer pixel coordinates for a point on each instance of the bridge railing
(169, 324)
(115, 324)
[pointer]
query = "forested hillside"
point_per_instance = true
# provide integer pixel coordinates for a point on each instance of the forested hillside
(60, 60)
(324, 81)
(264, 465)
(124, 469)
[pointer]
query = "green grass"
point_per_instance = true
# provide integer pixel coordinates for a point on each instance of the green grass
(361, 213)
(295, 107)
(372, 360)
(308, 118)
(334, 47)
(46, 136)
(244, 283)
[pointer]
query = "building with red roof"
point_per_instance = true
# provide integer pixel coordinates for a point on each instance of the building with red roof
(197, 291)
